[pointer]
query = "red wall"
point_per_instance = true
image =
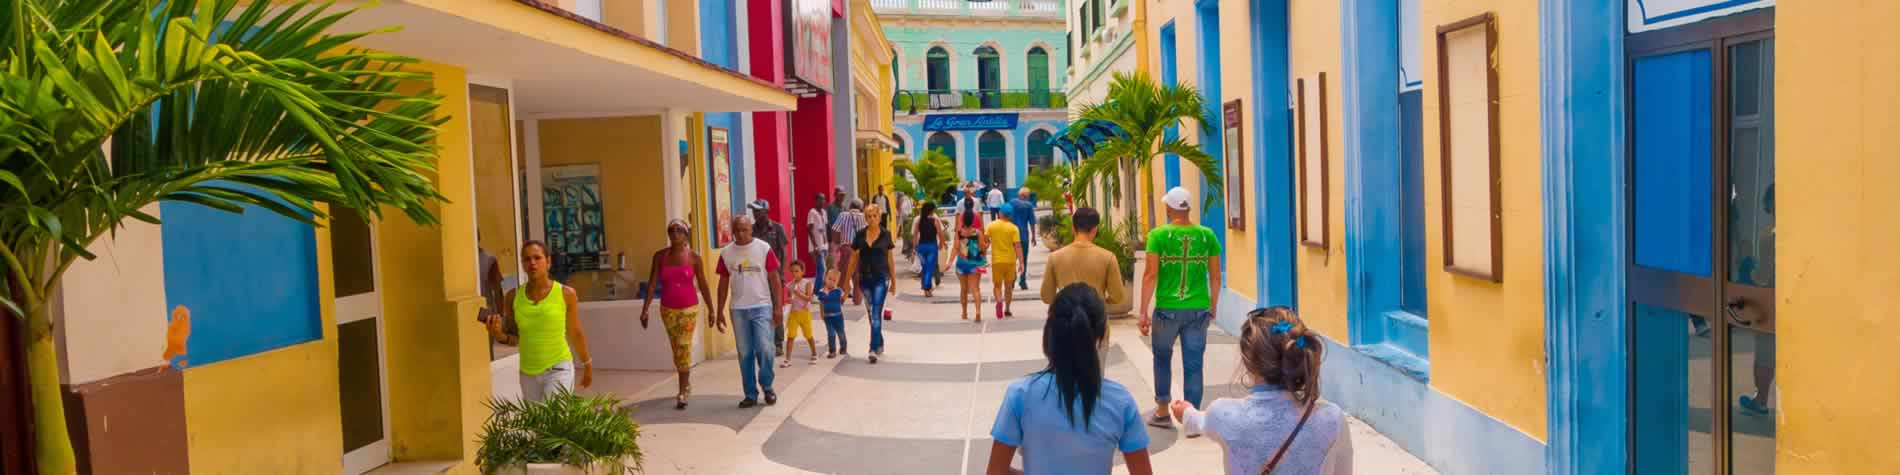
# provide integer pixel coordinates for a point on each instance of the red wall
(815, 155)
(771, 166)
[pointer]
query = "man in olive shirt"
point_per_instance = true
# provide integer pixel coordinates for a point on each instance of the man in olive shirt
(1182, 270)
(1084, 262)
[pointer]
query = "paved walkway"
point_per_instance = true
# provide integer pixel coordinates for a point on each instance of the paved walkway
(925, 408)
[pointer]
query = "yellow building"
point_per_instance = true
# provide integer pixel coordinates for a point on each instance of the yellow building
(872, 87)
(352, 346)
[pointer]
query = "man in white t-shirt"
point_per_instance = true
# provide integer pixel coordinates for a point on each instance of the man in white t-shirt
(817, 229)
(748, 279)
(995, 201)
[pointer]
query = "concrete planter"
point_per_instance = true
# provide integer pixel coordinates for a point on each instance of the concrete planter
(557, 469)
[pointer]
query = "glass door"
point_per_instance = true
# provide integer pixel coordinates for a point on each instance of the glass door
(1701, 276)
(362, 384)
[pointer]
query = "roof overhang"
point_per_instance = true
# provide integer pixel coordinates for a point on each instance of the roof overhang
(875, 139)
(559, 62)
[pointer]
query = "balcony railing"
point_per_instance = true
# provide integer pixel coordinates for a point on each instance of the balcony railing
(1007, 8)
(978, 99)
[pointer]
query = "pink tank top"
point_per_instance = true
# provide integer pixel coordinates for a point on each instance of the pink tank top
(677, 285)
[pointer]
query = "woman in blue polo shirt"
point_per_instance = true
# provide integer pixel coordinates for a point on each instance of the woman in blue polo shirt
(1068, 418)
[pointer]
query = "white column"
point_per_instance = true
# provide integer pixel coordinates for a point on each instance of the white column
(672, 131)
(531, 166)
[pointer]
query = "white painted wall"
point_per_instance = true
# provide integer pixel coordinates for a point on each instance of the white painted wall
(109, 314)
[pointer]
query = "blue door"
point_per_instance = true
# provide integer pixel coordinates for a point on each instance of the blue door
(1701, 276)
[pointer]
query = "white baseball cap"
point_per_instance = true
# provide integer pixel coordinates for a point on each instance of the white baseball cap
(1177, 198)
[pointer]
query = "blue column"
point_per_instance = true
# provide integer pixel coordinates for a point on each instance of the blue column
(1272, 152)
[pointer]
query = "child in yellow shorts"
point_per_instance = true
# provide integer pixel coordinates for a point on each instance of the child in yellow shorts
(799, 295)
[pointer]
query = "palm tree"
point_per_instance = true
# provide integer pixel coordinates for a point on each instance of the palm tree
(107, 106)
(924, 179)
(1050, 183)
(1144, 110)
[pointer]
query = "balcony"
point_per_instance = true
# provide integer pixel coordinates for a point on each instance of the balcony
(1043, 9)
(978, 99)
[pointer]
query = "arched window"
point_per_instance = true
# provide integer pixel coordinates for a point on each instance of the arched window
(900, 143)
(989, 77)
(1041, 153)
(1038, 77)
(942, 142)
(992, 158)
(937, 69)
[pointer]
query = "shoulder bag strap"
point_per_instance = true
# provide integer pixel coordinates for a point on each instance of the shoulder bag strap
(1278, 454)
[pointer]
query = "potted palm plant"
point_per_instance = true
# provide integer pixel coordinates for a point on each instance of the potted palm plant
(1144, 110)
(565, 434)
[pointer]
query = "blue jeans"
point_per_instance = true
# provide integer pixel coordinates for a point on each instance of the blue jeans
(1022, 270)
(1191, 327)
(818, 267)
(875, 287)
(834, 332)
(927, 256)
(752, 331)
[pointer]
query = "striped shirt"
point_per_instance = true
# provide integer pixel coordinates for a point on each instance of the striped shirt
(849, 223)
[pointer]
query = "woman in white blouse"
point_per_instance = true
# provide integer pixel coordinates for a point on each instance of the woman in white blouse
(1282, 428)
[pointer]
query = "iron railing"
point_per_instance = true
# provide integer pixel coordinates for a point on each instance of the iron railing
(977, 99)
(1025, 8)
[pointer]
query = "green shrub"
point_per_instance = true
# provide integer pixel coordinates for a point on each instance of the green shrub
(566, 428)
(1057, 227)
(1109, 236)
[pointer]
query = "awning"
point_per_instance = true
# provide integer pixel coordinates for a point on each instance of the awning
(560, 62)
(1083, 138)
(875, 140)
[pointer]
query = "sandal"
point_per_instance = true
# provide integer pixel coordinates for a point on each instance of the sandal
(785, 363)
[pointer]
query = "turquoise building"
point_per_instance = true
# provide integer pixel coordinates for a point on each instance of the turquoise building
(982, 82)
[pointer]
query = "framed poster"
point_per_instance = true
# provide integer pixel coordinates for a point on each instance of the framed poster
(1468, 148)
(1314, 179)
(571, 201)
(719, 145)
(1232, 173)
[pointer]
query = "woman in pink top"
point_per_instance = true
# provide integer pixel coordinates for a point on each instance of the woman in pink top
(676, 271)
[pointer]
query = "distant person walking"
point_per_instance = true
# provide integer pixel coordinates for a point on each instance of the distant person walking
(1282, 427)
(546, 315)
(1070, 418)
(676, 272)
(925, 235)
(749, 281)
(1022, 213)
(1182, 268)
(1083, 262)
(971, 243)
(818, 236)
(871, 268)
(1006, 251)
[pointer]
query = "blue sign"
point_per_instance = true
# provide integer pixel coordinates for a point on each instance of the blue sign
(969, 122)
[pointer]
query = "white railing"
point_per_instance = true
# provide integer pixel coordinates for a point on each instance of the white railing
(989, 8)
(1040, 6)
(939, 5)
(889, 4)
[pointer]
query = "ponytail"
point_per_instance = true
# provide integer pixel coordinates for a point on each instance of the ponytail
(1281, 351)
(1077, 323)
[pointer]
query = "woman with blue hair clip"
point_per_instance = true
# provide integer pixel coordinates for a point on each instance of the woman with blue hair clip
(1282, 427)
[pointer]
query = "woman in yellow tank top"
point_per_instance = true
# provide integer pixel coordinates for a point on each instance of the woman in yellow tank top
(547, 316)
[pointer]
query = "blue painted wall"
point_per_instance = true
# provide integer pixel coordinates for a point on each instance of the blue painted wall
(1017, 139)
(1580, 44)
(1273, 175)
(249, 280)
(718, 40)
(1170, 74)
(1374, 215)
(1207, 17)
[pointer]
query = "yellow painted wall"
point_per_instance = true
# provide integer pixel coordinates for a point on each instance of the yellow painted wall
(272, 412)
(1315, 48)
(1241, 276)
(1487, 339)
(437, 353)
(1835, 139)
(628, 152)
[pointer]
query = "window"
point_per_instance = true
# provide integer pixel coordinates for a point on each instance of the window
(937, 69)
(1038, 69)
(992, 158)
(1412, 239)
(1314, 195)
(1095, 13)
(989, 77)
(900, 143)
(1082, 18)
(1468, 148)
(1068, 41)
(942, 142)
(1041, 153)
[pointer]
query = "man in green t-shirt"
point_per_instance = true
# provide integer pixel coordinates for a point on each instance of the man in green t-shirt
(1182, 270)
